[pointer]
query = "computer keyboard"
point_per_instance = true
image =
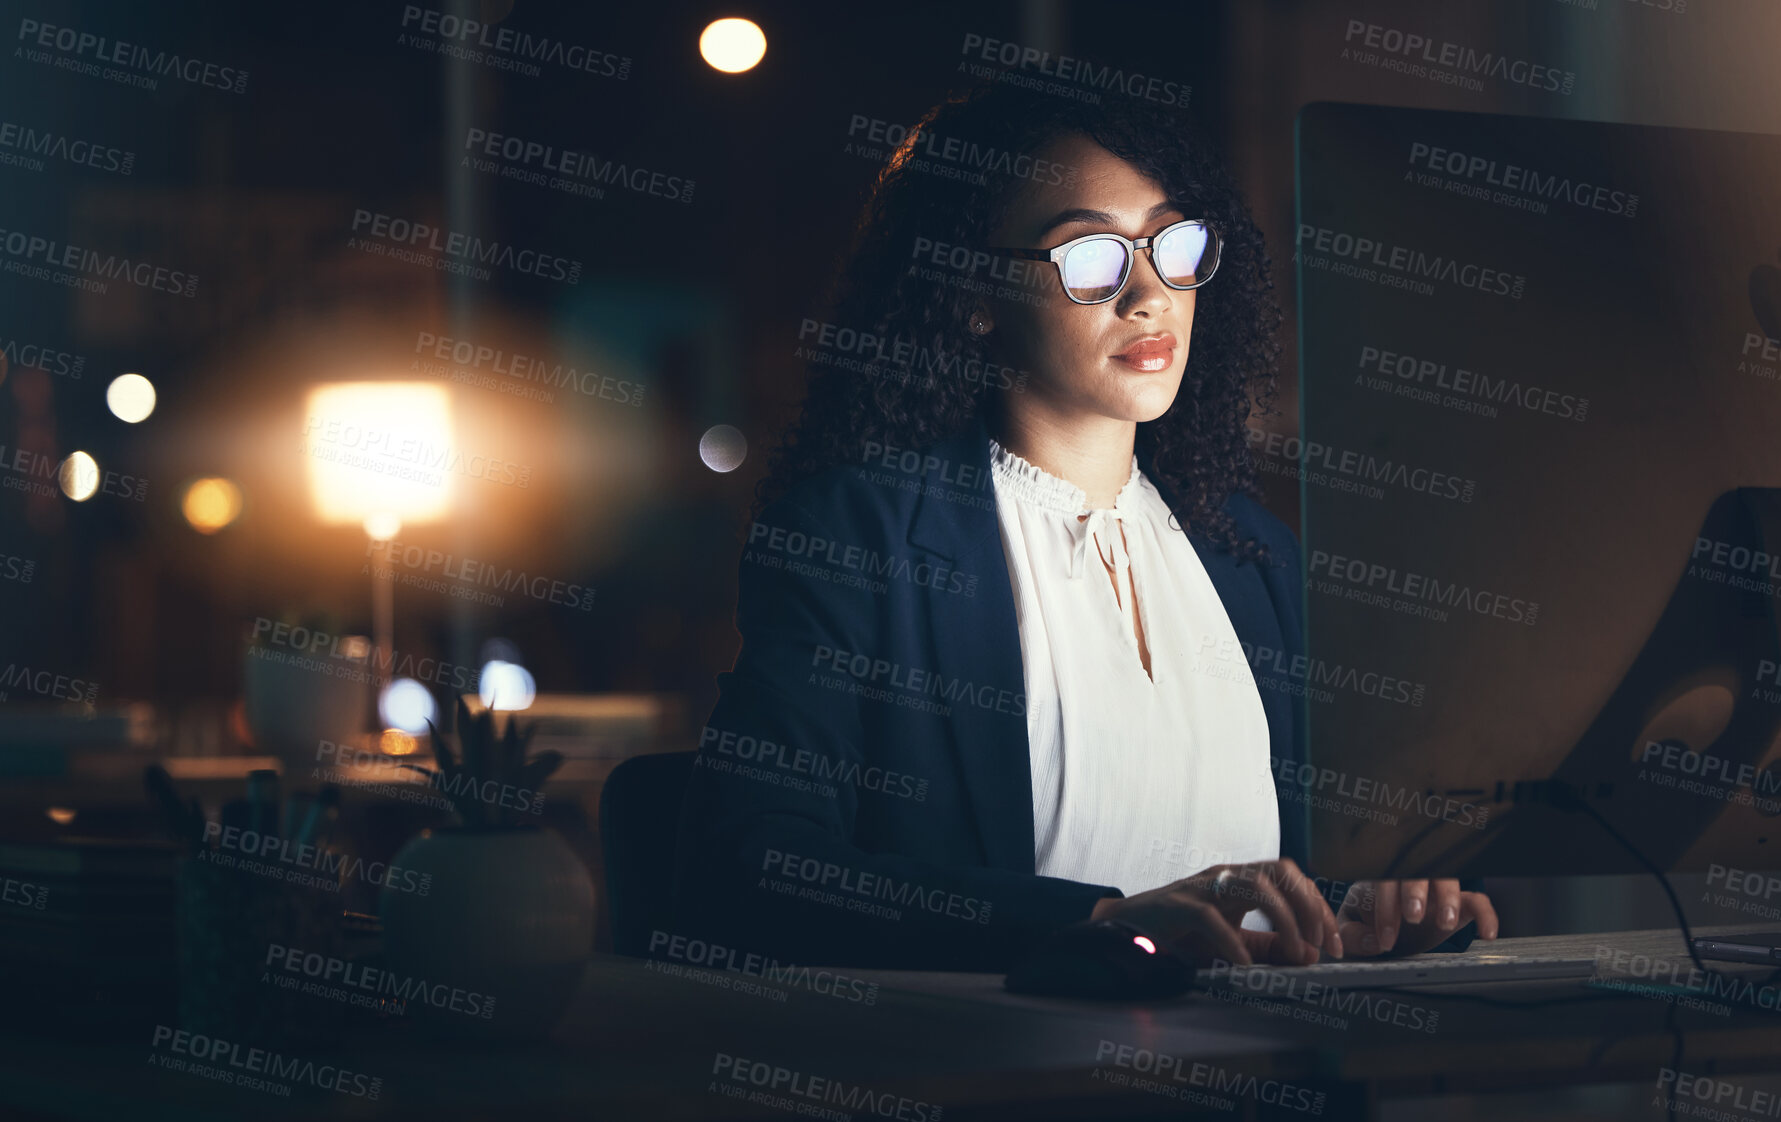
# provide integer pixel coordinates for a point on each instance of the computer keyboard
(1417, 970)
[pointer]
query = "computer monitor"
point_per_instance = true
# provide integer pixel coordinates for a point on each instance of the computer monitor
(1539, 459)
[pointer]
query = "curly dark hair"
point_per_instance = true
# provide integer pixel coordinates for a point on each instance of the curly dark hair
(1196, 453)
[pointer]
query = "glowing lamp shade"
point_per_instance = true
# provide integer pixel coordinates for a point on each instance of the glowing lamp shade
(733, 45)
(382, 526)
(375, 451)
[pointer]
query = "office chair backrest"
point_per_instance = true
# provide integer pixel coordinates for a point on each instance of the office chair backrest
(639, 825)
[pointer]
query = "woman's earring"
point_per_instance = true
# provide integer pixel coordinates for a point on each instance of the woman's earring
(979, 325)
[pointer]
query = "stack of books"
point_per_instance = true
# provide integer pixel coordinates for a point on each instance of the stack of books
(56, 742)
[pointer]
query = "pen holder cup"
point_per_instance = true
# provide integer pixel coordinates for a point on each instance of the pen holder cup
(242, 926)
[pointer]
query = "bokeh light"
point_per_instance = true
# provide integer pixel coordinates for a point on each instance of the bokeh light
(395, 742)
(506, 685)
(723, 448)
(131, 397)
(79, 477)
(407, 706)
(211, 503)
(733, 45)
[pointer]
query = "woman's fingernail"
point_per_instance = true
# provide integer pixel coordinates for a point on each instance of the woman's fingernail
(1448, 916)
(1368, 943)
(1389, 937)
(1414, 911)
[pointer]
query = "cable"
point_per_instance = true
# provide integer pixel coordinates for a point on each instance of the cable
(1675, 1055)
(1567, 799)
(1563, 797)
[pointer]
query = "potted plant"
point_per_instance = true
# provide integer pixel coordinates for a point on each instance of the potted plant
(496, 914)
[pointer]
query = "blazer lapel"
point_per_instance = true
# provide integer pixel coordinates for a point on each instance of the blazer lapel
(977, 641)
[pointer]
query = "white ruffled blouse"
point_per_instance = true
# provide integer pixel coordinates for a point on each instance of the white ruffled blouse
(1138, 779)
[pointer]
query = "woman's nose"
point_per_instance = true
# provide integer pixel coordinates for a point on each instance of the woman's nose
(1145, 290)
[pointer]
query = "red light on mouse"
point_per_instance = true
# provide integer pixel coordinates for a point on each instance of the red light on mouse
(1149, 947)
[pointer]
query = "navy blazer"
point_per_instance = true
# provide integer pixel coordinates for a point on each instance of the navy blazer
(862, 794)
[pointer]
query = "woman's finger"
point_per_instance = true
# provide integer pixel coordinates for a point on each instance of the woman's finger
(1443, 907)
(1256, 887)
(1476, 906)
(1268, 947)
(1383, 933)
(1354, 934)
(1316, 921)
(1357, 903)
(1205, 935)
(1413, 898)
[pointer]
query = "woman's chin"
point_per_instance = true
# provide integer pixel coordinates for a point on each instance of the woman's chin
(1146, 405)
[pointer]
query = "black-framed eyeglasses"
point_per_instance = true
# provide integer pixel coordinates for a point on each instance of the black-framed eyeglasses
(1095, 267)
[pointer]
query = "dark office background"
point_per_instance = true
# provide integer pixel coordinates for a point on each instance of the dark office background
(701, 303)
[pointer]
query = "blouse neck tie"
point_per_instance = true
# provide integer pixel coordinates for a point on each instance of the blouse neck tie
(1102, 527)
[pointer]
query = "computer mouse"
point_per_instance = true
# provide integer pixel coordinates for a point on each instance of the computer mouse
(1100, 959)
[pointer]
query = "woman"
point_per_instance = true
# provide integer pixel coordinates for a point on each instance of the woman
(988, 685)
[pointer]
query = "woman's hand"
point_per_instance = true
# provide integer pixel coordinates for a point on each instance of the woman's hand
(1201, 918)
(1407, 916)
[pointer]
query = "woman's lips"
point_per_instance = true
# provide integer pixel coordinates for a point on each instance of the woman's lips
(1148, 357)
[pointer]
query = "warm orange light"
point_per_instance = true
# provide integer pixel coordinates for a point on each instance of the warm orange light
(60, 815)
(395, 742)
(382, 526)
(210, 504)
(380, 449)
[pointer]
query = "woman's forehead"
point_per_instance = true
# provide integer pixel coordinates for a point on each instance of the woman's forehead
(1095, 188)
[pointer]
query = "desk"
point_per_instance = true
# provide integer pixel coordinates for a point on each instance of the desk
(641, 1042)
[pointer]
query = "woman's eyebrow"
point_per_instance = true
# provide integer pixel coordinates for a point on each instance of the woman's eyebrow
(1099, 217)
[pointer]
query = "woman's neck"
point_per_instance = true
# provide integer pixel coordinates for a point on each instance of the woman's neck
(1095, 453)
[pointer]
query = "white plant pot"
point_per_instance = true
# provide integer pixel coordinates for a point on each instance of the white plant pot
(507, 915)
(295, 703)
